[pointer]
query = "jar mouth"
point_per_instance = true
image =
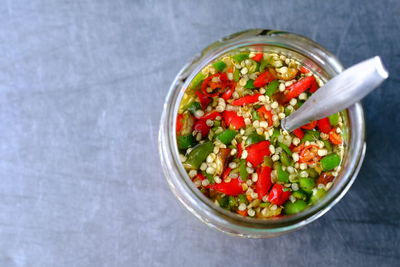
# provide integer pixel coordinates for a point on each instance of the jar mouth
(316, 58)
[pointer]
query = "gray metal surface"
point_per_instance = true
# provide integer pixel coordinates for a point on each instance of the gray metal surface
(82, 85)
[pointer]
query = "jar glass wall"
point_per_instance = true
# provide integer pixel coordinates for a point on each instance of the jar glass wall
(315, 58)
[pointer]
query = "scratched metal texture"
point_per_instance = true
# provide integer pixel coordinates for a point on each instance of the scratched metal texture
(82, 85)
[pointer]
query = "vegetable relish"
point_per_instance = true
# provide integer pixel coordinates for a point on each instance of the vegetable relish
(232, 145)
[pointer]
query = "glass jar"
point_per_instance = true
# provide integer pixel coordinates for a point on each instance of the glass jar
(315, 58)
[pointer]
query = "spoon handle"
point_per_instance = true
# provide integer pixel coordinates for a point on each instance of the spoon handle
(339, 93)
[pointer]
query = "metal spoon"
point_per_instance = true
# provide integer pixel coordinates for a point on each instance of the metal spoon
(339, 93)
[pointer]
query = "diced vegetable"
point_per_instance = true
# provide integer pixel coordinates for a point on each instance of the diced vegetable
(186, 141)
(232, 119)
(278, 194)
(249, 84)
(330, 162)
(297, 88)
(324, 125)
(264, 182)
(219, 66)
(232, 188)
(307, 184)
(272, 88)
(198, 155)
(226, 136)
(240, 57)
(197, 80)
(193, 106)
(285, 148)
(254, 138)
(249, 99)
(263, 79)
(334, 119)
(283, 176)
(258, 57)
(295, 207)
(257, 152)
(243, 170)
(317, 195)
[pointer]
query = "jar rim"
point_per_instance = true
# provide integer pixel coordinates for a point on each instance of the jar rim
(201, 206)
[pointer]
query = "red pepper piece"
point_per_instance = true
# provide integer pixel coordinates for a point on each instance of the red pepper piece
(324, 125)
(249, 99)
(239, 150)
(233, 188)
(314, 86)
(277, 195)
(291, 147)
(296, 89)
(231, 118)
(208, 83)
(226, 173)
(264, 113)
(298, 133)
(309, 126)
(204, 100)
(200, 176)
(202, 127)
(304, 70)
(263, 79)
(263, 183)
(217, 87)
(258, 57)
(257, 152)
(179, 123)
(210, 116)
(228, 94)
(335, 138)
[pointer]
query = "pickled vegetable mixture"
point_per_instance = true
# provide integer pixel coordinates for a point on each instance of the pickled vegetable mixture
(232, 145)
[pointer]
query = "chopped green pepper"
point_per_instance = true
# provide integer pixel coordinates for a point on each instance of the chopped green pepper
(283, 176)
(242, 198)
(307, 184)
(275, 135)
(236, 75)
(327, 145)
(288, 111)
(219, 66)
(265, 63)
(286, 161)
(210, 178)
(197, 80)
(255, 115)
(272, 88)
(226, 136)
(317, 195)
(285, 148)
(198, 154)
(330, 162)
(233, 203)
(334, 119)
(186, 141)
(300, 194)
(254, 138)
(295, 207)
(244, 175)
(193, 106)
(312, 173)
(268, 162)
(249, 84)
(224, 202)
(240, 57)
